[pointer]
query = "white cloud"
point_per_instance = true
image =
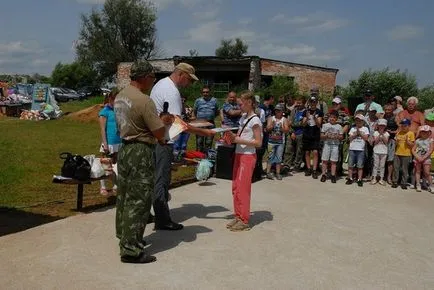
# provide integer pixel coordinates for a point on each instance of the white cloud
(315, 22)
(93, 2)
(14, 47)
(404, 32)
(284, 50)
(321, 57)
(205, 32)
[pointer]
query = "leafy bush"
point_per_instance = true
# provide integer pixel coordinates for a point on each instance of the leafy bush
(426, 97)
(384, 85)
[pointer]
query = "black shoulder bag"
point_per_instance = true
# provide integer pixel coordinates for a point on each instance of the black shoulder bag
(75, 166)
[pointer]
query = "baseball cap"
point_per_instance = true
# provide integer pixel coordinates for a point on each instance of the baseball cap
(398, 98)
(382, 122)
(430, 116)
(405, 122)
(141, 68)
(313, 99)
(187, 68)
(368, 92)
(372, 109)
(425, 128)
(279, 107)
(337, 100)
(360, 117)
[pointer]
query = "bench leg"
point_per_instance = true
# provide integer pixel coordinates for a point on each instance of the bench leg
(80, 197)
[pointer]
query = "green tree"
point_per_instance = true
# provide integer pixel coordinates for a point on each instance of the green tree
(231, 49)
(280, 86)
(384, 84)
(73, 75)
(123, 31)
(193, 52)
(426, 97)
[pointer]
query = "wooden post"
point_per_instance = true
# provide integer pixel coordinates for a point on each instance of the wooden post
(80, 196)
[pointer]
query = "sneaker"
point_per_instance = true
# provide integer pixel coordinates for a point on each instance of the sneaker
(412, 186)
(278, 177)
(231, 223)
(349, 181)
(430, 189)
(418, 188)
(373, 180)
(270, 176)
(381, 182)
(315, 174)
(360, 182)
(404, 186)
(308, 172)
(240, 227)
(323, 178)
(394, 185)
(333, 179)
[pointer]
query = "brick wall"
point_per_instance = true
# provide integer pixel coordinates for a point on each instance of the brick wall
(305, 76)
(123, 74)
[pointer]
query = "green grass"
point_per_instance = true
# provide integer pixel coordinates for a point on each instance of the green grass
(29, 157)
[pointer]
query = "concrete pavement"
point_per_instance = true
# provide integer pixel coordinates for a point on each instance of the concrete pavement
(305, 235)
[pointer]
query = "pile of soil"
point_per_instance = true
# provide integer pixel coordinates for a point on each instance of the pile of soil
(86, 115)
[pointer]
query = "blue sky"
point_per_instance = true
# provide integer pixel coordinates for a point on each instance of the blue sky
(349, 35)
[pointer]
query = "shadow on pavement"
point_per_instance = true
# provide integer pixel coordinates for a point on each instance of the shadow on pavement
(161, 241)
(256, 217)
(187, 211)
(259, 217)
(14, 220)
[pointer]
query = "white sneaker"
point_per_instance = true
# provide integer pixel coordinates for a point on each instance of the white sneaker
(412, 186)
(418, 188)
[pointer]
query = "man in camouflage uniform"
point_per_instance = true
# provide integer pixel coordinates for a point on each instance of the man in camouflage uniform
(140, 129)
(344, 121)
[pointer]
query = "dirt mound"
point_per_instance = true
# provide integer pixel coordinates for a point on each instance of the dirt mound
(86, 115)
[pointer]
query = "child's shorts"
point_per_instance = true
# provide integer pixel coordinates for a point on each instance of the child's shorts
(114, 148)
(275, 153)
(330, 152)
(426, 162)
(356, 159)
(391, 148)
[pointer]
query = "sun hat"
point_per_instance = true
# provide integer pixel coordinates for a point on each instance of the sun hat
(382, 122)
(429, 116)
(360, 117)
(425, 128)
(187, 68)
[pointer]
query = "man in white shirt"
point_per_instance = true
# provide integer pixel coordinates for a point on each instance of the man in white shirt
(166, 90)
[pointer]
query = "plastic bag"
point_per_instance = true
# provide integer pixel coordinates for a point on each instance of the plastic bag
(97, 170)
(203, 170)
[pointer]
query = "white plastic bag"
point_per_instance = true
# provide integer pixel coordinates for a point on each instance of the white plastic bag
(97, 170)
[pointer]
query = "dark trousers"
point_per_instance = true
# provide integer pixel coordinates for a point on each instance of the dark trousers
(203, 144)
(163, 164)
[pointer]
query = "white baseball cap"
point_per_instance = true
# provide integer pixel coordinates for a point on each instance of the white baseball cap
(337, 100)
(382, 122)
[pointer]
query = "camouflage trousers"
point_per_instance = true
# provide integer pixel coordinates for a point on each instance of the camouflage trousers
(136, 166)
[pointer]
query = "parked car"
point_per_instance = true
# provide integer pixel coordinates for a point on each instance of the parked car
(65, 95)
(105, 92)
(89, 91)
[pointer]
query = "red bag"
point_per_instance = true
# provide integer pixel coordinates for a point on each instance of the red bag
(195, 154)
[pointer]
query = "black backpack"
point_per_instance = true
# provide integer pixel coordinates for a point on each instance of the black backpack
(75, 166)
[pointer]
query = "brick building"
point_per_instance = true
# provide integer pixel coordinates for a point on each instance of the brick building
(248, 71)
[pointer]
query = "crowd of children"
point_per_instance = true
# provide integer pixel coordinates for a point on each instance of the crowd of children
(389, 144)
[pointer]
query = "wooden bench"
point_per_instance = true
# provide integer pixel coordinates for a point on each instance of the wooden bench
(80, 186)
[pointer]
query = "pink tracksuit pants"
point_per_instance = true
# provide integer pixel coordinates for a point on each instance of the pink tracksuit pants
(244, 165)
